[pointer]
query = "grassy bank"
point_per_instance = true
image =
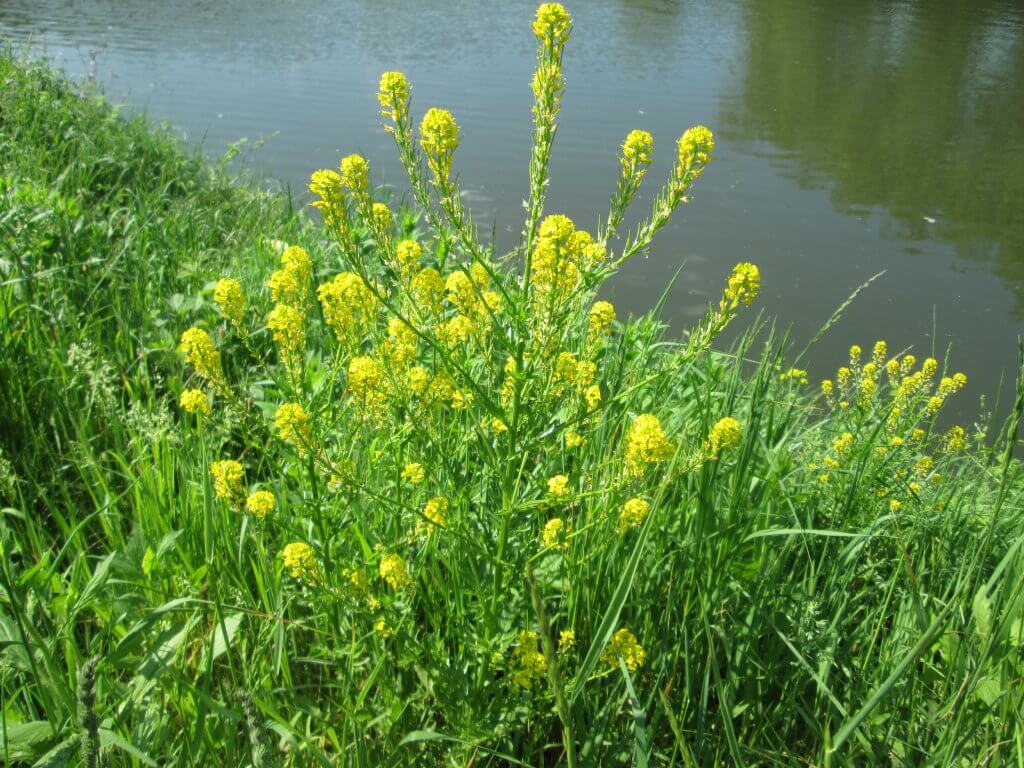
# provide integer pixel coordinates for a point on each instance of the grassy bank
(829, 584)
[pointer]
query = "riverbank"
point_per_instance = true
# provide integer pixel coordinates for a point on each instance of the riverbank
(831, 587)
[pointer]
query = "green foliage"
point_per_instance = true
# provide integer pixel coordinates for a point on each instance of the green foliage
(147, 617)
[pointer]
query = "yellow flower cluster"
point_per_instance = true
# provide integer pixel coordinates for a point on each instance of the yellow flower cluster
(636, 153)
(552, 25)
(556, 534)
(228, 476)
(395, 572)
(368, 384)
(230, 299)
(798, 375)
(632, 514)
(261, 503)
(382, 219)
(291, 283)
(286, 326)
(955, 440)
(201, 354)
(566, 640)
(194, 401)
(624, 645)
(355, 173)
(602, 315)
(326, 185)
(726, 434)
(393, 95)
(293, 424)
(646, 444)
(560, 253)
(695, 147)
(349, 307)
(558, 486)
(301, 563)
(743, 286)
(408, 253)
(434, 513)
(428, 289)
(413, 473)
(530, 664)
(439, 137)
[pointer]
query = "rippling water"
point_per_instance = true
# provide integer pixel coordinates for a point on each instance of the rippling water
(853, 137)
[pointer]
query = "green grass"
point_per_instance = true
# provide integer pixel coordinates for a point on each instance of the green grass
(786, 621)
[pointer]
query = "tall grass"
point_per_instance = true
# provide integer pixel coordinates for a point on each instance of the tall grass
(811, 592)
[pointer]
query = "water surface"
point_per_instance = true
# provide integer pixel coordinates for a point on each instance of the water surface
(853, 138)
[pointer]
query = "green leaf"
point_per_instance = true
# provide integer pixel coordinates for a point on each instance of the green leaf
(25, 741)
(982, 608)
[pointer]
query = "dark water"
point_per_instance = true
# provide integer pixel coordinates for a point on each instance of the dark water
(853, 137)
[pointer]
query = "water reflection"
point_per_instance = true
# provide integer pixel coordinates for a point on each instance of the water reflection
(916, 107)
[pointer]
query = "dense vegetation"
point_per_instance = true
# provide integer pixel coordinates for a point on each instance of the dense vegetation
(365, 492)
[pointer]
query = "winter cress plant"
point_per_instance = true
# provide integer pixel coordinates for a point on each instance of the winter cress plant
(471, 457)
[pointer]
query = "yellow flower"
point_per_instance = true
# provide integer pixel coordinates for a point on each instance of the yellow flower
(695, 147)
(435, 510)
(227, 481)
(382, 628)
(593, 396)
(917, 434)
(573, 439)
(368, 385)
(879, 352)
(292, 422)
(393, 95)
(895, 505)
(301, 563)
(602, 315)
(285, 323)
(743, 286)
(929, 367)
(955, 440)
(194, 401)
(907, 364)
(349, 307)
(394, 571)
(566, 640)
(646, 444)
(439, 136)
(633, 513)
(530, 664)
(382, 218)
(924, 465)
(355, 173)
(290, 284)
(798, 375)
(843, 443)
(408, 253)
(624, 645)
(261, 503)
(556, 534)
(413, 473)
(552, 25)
(843, 377)
(827, 389)
(726, 434)
(456, 331)
(201, 354)
(428, 288)
(326, 184)
(855, 353)
(230, 299)
(558, 486)
(636, 153)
